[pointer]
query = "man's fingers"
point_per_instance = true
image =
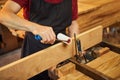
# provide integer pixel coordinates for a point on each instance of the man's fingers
(52, 39)
(48, 38)
(47, 34)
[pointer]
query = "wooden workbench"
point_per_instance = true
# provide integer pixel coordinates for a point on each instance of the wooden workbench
(44, 59)
(97, 12)
(108, 64)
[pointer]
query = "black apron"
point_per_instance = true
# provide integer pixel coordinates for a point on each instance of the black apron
(58, 16)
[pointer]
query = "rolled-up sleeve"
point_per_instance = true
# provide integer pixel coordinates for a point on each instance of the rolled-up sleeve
(74, 10)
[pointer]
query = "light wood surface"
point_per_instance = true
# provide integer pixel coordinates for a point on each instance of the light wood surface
(69, 72)
(108, 64)
(65, 69)
(97, 12)
(75, 75)
(42, 60)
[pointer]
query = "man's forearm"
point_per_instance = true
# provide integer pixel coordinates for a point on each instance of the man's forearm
(11, 20)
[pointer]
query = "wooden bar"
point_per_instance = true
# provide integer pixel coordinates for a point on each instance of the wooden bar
(65, 69)
(101, 12)
(69, 72)
(42, 60)
(75, 75)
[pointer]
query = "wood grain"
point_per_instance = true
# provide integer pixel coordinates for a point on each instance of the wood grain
(65, 69)
(108, 64)
(93, 13)
(75, 75)
(69, 72)
(42, 60)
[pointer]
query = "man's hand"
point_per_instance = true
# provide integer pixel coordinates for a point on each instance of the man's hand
(74, 28)
(47, 34)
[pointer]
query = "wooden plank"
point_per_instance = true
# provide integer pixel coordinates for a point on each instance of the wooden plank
(65, 69)
(91, 72)
(88, 5)
(101, 12)
(75, 75)
(42, 60)
(108, 64)
(69, 72)
(91, 37)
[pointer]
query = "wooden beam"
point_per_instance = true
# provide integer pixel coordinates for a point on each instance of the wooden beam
(42, 60)
(101, 12)
(65, 69)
